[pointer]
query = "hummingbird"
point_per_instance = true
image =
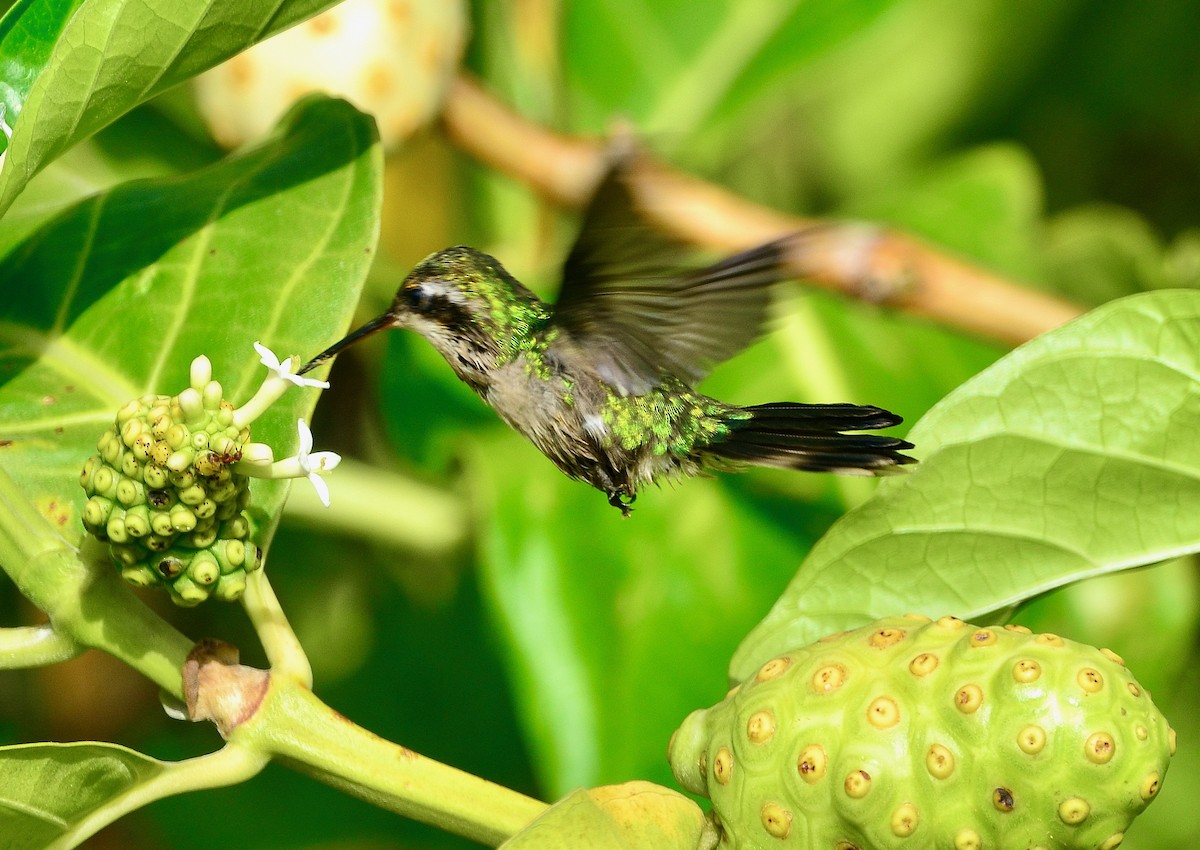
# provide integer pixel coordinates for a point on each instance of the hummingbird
(603, 382)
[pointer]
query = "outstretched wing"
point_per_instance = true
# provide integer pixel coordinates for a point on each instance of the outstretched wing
(630, 299)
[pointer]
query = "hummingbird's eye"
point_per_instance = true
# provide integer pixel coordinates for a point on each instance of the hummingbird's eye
(418, 298)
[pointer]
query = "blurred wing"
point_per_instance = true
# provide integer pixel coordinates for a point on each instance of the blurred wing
(631, 302)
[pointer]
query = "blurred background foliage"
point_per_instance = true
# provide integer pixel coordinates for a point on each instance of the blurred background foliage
(540, 640)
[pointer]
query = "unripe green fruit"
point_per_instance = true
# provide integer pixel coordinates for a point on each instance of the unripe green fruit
(162, 492)
(915, 734)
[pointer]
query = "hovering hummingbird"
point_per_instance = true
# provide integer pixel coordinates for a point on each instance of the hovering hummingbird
(602, 383)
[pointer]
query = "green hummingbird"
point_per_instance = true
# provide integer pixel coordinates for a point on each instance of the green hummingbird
(602, 382)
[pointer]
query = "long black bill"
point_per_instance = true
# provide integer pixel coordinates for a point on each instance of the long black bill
(376, 324)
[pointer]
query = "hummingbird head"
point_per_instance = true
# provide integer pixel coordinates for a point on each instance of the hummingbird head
(474, 313)
(470, 308)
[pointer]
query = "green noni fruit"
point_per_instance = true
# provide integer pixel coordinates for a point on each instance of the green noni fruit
(163, 493)
(915, 734)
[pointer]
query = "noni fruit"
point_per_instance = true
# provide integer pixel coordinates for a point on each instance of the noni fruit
(909, 733)
(163, 493)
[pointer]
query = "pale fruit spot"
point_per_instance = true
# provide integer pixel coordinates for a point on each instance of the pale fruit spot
(1073, 811)
(1171, 740)
(923, 664)
(1113, 841)
(723, 766)
(1142, 733)
(967, 839)
(1002, 799)
(968, 698)
(776, 820)
(883, 638)
(1049, 640)
(1149, 786)
(857, 784)
(983, 637)
(1090, 680)
(939, 761)
(760, 728)
(829, 678)
(1099, 748)
(952, 623)
(379, 81)
(1134, 689)
(1026, 670)
(1031, 739)
(1021, 630)
(883, 713)
(812, 763)
(773, 668)
(1112, 656)
(845, 845)
(905, 820)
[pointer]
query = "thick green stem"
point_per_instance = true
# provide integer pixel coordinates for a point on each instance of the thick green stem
(296, 727)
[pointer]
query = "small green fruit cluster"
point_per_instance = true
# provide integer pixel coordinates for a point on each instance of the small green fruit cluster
(163, 494)
(911, 733)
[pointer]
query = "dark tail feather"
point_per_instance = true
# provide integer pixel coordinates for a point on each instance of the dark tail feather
(809, 436)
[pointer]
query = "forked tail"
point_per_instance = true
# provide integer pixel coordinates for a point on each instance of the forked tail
(810, 436)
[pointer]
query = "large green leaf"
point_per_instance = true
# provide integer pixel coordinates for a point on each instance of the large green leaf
(113, 298)
(49, 788)
(1071, 457)
(72, 67)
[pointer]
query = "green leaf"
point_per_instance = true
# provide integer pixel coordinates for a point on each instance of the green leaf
(122, 291)
(49, 788)
(674, 70)
(70, 68)
(597, 611)
(633, 816)
(1069, 458)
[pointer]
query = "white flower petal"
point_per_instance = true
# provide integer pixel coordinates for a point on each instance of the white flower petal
(306, 441)
(267, 357)
(321, 487)
(324, 461)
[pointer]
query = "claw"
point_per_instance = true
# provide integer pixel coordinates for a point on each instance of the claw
(622, 500)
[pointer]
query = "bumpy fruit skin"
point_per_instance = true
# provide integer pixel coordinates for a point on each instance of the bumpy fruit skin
(915, 734)
(163, 494)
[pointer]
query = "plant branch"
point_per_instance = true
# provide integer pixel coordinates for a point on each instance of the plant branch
(35, 646)
(284, 652)
(292, 724)
(867, 262)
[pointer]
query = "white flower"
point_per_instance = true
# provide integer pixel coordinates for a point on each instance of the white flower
(315, 465)
(284, 370)
(279, 379)
(304, 464)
